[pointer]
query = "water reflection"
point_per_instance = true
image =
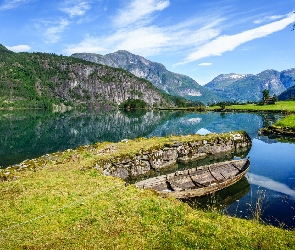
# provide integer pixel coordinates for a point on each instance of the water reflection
(27, 134)
(194, 123)
(270, 184)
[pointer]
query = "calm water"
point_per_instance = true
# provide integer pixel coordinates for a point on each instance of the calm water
(271, 178)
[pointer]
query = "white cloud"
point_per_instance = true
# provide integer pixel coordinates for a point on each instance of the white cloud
(226, 43)
(267, 19)
(205, 64)
(133, 31)
(53, 30)
(11, 4)
(75, 8)
(89, 45)
(138, 11)
(19, 48)
(146, 39)
(152, 40)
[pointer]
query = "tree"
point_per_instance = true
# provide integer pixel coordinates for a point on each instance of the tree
(222, 105)
(265, 94)
(133, 104)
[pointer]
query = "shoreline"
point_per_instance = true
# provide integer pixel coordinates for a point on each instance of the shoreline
(138, 157)
(60, 201)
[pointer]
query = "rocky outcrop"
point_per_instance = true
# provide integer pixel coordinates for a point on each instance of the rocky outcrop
(192, 149)
(274, 131)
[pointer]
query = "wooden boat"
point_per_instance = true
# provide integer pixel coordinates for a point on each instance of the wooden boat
(197, 181)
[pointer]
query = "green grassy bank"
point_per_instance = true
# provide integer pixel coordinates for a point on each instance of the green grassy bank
(288, 121)
(283, 127)
(65, 204)
(280, 106)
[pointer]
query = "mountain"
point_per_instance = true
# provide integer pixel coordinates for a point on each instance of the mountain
(41, 80)
(171, 83)
(243, 88)
(224, 80)
(288, 94)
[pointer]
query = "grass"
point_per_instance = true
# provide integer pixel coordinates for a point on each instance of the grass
(285, 106)
(288, 121)
(67, 205)
(283, 129)
(62, 207)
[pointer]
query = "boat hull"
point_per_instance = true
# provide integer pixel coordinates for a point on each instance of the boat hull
(198, 181)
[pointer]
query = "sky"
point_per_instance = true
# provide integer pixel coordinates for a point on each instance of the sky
(201, 39)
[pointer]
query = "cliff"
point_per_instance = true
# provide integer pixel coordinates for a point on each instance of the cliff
(170, 82)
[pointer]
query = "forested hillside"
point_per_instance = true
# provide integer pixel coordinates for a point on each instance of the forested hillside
(41, 80)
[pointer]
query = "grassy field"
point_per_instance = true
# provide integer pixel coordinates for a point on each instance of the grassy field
(287, 106)
(67, 205)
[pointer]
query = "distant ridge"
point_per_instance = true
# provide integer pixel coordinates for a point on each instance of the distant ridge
(243, 88)
(288, 94)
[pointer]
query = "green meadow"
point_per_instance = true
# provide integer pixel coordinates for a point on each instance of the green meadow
(284, 106)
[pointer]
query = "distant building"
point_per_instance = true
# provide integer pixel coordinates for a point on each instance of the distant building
(270, 100)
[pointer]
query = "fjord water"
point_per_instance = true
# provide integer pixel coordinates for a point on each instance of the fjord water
(270, 181)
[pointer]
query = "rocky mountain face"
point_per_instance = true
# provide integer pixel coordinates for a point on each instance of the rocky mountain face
(243, 88)
(156, 73)
(38, 80)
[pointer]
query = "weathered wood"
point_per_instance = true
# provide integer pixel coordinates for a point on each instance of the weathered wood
(197, 181)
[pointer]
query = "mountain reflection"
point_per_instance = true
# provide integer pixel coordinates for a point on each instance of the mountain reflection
(195, 123)
(29, 134)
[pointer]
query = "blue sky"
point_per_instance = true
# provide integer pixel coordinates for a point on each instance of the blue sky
(200, 39)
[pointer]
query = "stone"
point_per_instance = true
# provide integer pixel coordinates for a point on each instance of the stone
(158, 159)
(139, 167)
